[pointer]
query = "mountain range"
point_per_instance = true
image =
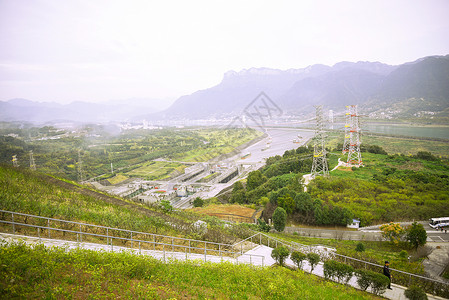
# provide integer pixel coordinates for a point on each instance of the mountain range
(410, 90)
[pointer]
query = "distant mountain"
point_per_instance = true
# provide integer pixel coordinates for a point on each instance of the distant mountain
(372, 85)
(42, 112)
(417, 89)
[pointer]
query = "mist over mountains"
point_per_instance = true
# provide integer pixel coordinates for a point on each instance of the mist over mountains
(408, 89)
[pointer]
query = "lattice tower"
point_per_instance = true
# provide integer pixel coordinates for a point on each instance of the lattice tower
(81, 174)
(319, 164)
(32, 162)
(347, 129)
(354, 154)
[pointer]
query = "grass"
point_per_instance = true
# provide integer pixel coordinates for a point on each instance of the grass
(157, 170)
(376, 251)
(117, 179)
(54, 273)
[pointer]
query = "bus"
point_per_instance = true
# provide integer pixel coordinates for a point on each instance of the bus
(439, 222)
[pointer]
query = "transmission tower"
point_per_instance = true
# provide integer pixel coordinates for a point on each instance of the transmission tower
(354, 154)
(32, 163)
(81, 175)
(15, 161)
(347, 129)
(319, 165)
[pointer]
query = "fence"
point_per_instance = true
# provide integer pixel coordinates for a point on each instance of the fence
(81, 232)
(432, 286)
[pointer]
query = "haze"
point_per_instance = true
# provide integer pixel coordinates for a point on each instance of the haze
(66, 51)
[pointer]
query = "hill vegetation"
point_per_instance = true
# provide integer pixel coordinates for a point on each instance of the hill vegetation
(39, 272)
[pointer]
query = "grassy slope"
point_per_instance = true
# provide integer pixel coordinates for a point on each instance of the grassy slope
(39, 272)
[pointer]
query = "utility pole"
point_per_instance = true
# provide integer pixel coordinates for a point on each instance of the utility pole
(81, 175)
(32, 163)
(354, 154)
(347, 129)
(319, 164)
(15, 161)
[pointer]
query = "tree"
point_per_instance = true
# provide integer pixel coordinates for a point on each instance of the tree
(255, 179)
(416, 235)
(279, 219)
(280, 254)
(198, 202)
(297, 258)
(166, 206)
(392, 231)
(313, 260)
(287, 203)
(262, 226)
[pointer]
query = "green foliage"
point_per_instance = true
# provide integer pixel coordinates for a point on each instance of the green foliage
(415, 293)
(425, 156)
(36, 272)
(166, 206)
(279, 219)
(360, 247)
(337, 270)
(416, 235)
(254, 180)
(313, 260)
(198, 202)
(280, 254)
(403, 255)
(367, 278)
(262, 226)
(298, 258)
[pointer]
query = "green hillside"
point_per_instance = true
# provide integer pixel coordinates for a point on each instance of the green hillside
(52, 273)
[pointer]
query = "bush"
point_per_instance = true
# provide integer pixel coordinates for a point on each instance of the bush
(262, 226)
(377, 281)
(340, 271)
(313, 260)
(279, 219)
(415, 293)
(403, 255)
(280, 254)
(360, 247)
(298, 257)
(198, 202)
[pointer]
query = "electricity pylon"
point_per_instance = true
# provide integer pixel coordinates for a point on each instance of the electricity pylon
(354, 154)
(347, 129)
(319, 164)
(81, 175)
(32, 163)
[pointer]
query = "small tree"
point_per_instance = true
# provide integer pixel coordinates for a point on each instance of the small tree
(198, 202)
(313, 260)
(166, 206)
(298, 258)
(279, 219)
(360, 247)
(415, 293)
(279, 254)
(263, 226)
(416, 235)
(392, 231)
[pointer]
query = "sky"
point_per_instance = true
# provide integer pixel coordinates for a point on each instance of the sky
(99, 50)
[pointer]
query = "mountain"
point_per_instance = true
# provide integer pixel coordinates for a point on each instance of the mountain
(372, 85)
(418, 89)
(42, 112)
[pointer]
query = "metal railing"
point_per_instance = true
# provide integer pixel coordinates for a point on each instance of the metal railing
(430, 285)
(54, 228)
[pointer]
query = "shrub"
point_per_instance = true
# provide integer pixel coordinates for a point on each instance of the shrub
(403, 255)
(379, 283)
(280, 254)
(313, 260)
(279, 219)
(262, 226)
(363, 278)
(360, 247)
(341, 271)
(415, 293)
(298, 258)
(198, 202)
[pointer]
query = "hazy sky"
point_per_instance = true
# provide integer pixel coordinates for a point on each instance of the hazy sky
(96, 50)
